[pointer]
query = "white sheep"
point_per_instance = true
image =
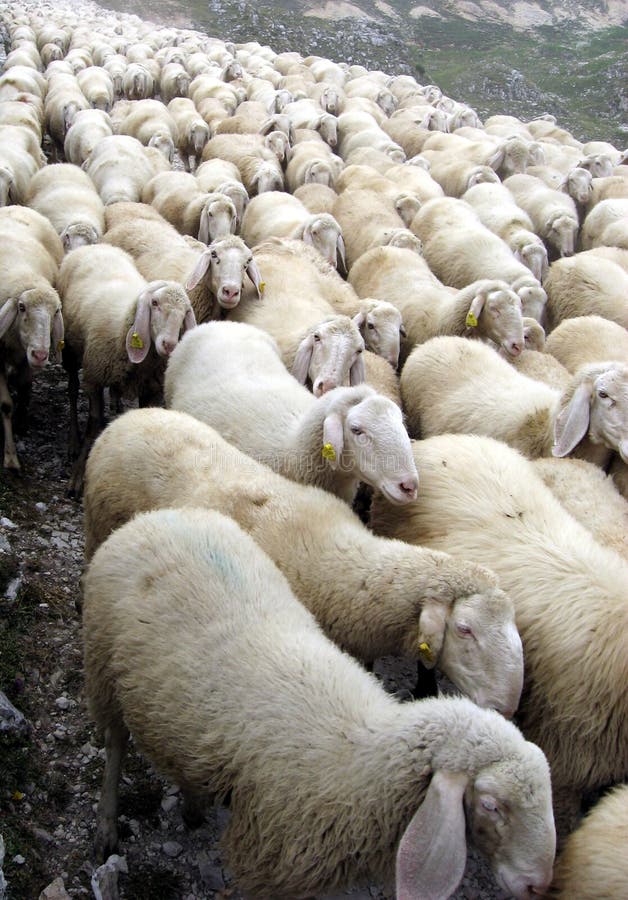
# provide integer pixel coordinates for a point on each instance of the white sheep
(317, 198)
(312, 162)
(584, 285)
(592, 864)
(63, 99)
(486, 309)
(150, 122)
(67, 197)
(137, 82)
(257, 165)
(613, 188)
(224, 177)
(569, 594)
(534, 362)
(31, 321)
(277, 214)
(428, 610)
(334, 441)
(88, 128)
(212, 275)
(20, 112)
(376, 800)
(180, 200)
(192, 132)
(452, 384)
(497, 210)
(119, 329)
(366, 217)
(22, 80)
(20, 158)
(174, 81)
(587, 339)
(606, 224)
(459, 249)
(456, 176)
(553, 213)
(577, 182)
(590, 496)
(97, 86)
(120, 166)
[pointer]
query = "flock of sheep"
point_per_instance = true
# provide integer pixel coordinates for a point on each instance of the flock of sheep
(330, 226)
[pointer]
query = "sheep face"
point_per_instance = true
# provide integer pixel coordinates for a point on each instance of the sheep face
(223, 266)
(36, 316)
(238, 196)
(561, 234)
(162, 311)
(533, 255)
(266, 178)
(608, 419)
(323, 233)
(330, 355)
(369, 436)
(497, 316)
(382, 329)
(163, 142)
(579, 184)
(510, 819)
(218, 219)
(400, 237)
(78, 235)
(533, 297)
(482, 653)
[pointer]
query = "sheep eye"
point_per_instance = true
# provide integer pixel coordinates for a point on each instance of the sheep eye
(356, 429)
(402, 331)
(602, 394)
(317, 337)
(214, 254)
(21, 306)
(360, 349)
(464, 630)
(154, 303)
(370, 326)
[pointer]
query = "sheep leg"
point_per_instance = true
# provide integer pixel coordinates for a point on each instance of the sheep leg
(74, 438)
(116, 742)
(95, 422)
(193, 810)
(24, 384)
(6, 409)
(425, 683)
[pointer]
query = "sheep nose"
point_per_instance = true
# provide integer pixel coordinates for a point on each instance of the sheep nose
(39, 357)
(169, 347)
(514, 348)
(538, 890)
(321, 387)
(230, 294)
(410, 488)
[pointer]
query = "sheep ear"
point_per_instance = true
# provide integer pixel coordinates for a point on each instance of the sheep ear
(333, 438)
(302, 359)
(432, 853)
(254, 274)
(432, 624)
(496, 159)
(57, 335)
(307, 235)
(189, 320)
(138, 335)
(340, 248)
(357, 372)
(203, 228)
(360, 321)
(572, 422)
(199, 270)
(8, 314)
(475, 310)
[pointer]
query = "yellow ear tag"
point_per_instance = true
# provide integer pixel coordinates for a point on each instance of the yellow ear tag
(136, 342)
(426, 651)
(262, 287)
(471, 321)
(328, 452)
(60, 346)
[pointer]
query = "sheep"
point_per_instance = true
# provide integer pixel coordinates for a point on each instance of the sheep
(116, 66)
(569, 594)
(277, 214)
(88, 128)
(497, 210)
(66, 196)
(364, 611)
(97, 86)
(22, 79)
(20, 158)
(553, 213)
(456, 176)
(317, 198)
(367, 86)
(532, 295)
(212, 275)
(485, 760)
(606, 224)
(416, 179)
(586, 285)
(119, 329)
(120, 166)
(207, 86)
(577, 182)
(590, 496)
(150, 122)
(381, 326)
(365, 217)
(174, 82)
(31, 321)
(306, 113)
(536, 364)
(452, 384)
(312, 162)
(138, 82)
(63, 100)
(177, 196)
(192, 132)
(258, 166)
(335, 440)
(459, 249)
(613, 188)
(587, 339)
(487, 309)
(19, 112)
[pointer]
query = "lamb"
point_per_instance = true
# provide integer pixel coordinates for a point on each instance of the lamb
(587, 339)
(569, 594)
(212, 275)
(88, 128)
(553, 213)
(590, 496)
(31, 321)
(606, 224)
(277, 214)
(452, 384)
(362, 610)
(592, 865)
(20, 158)
(192, 132)
(477, 772)
(497, 210)
(97, 86)
(150, 122)
(459, 249)
(120, 166)
(258, 166)
(180, 200)
(334, 441)
(586, 285)
(119, 329)
(66, 196)
(487, 309)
